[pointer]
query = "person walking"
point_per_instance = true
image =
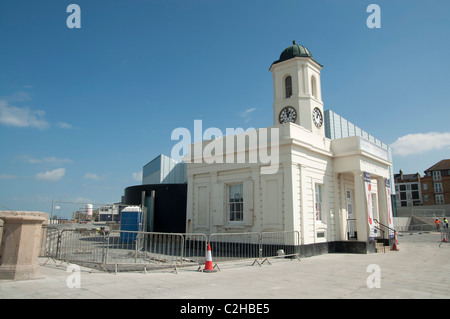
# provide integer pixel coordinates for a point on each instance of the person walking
(436, 223)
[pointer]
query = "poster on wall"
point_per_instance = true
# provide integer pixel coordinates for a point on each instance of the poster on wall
(387, 183)
(368, 188)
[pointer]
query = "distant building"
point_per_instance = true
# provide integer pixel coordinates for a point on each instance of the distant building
(407, 189)
(109, 212)
(436, 184)
(164, 170)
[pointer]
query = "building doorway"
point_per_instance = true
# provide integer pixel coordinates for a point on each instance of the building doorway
(351, 218)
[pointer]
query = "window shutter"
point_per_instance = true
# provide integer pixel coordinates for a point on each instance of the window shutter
(248, 202)
(218, 204)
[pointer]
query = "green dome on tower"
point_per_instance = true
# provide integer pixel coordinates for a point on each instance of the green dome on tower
(295, 50)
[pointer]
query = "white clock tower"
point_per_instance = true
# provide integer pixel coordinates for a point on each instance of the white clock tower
(297, 89)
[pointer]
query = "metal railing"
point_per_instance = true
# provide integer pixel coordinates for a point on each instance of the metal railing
(49, 245)
(234, 246)
(144, 249)
(385, 229)
(82, 246)
(132, 250)
(123, 250)
(280, 244)
(256, 246)
(154, 250)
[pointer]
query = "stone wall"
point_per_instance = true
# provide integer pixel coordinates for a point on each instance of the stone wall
(424, 211)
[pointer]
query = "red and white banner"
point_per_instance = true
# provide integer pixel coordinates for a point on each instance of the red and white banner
(387, 183)
(368, 189)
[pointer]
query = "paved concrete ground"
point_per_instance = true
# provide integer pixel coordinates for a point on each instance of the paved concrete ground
(420, 269)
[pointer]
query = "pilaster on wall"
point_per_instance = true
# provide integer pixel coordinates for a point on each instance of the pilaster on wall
(304, 225)
(341, 210)
(291, 197)
(360, 207)
(382, 201)
(189, 204)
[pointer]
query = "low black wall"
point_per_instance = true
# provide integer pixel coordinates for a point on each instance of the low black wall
(245, 250)
(353, 247)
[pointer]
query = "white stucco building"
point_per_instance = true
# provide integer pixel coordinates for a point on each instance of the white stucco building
(291, 177)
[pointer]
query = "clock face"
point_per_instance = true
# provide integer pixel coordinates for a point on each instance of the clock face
(317, 117)
(288, 114)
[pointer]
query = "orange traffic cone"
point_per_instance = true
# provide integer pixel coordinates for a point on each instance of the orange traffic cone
(394, 247)
(209, 264)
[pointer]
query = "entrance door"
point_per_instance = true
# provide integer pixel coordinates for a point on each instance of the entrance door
(351, 217)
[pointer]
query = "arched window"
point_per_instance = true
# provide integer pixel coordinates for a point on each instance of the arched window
(288, 86)
(313, 87)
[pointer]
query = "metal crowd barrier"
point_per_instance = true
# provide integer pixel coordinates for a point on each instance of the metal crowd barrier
(127, 248)
(82, 246)
(50, 237)
(257, 246)
(280, 244)
(132, 250)
(123, 250)
(234, 246)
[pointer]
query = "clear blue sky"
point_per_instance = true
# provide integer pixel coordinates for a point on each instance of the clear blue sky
(82, 110)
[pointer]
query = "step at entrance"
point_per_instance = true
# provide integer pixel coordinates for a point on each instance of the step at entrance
(381, 247)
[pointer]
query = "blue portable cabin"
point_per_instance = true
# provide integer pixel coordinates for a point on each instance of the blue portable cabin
(130, 224)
